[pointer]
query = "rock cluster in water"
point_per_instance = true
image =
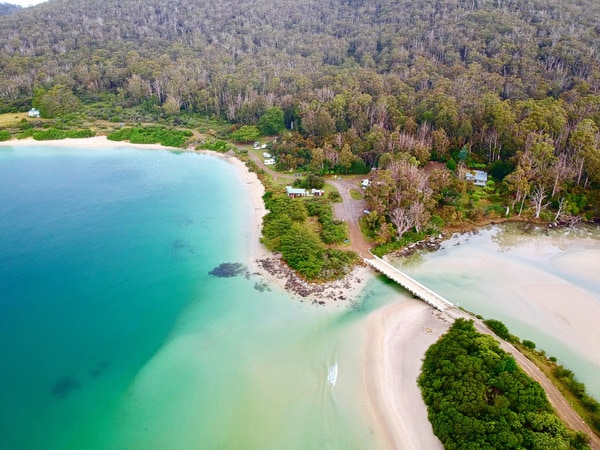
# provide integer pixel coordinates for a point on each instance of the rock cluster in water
(431, 243)
(320, 293)
(64, 387)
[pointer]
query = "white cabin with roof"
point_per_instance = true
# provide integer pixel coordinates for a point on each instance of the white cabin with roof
(477, 177)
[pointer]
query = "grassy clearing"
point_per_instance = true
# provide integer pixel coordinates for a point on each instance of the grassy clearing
(356, 195)
(11, 119)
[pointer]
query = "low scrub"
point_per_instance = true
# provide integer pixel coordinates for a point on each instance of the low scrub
(217, 145)
(152, 135)
(286, 229)
(52, 134)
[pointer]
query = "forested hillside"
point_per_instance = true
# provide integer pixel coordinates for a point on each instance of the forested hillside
(7, 8)
(508, 85)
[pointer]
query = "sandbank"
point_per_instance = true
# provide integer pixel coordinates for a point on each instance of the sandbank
(398, 336)
(560, 296)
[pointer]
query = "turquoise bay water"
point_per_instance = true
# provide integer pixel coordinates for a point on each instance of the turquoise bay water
(114, 336)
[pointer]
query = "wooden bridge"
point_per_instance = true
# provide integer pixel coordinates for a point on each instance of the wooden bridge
(410, 284)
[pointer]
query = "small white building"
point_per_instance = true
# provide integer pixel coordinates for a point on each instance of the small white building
(365, 183)
(34, 113)
(269, 162)
(266, 155)
(477, 177)
(293, 192)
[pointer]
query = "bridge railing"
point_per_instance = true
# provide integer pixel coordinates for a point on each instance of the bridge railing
(397, 271)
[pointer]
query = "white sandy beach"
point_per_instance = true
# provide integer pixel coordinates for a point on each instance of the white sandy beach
(399, 335)
(87, 143)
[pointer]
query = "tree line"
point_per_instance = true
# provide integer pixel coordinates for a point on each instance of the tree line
(509, 86)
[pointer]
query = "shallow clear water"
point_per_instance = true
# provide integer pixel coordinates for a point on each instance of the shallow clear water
(543, 284)
(115, 336)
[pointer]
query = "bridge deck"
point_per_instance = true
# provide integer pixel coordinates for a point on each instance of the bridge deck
(410, 284)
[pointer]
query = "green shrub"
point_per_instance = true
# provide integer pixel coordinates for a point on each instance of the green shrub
(437, 222)
(247, 133)
(52, 134)
(332, 232)
(216, 145)
(334, 196)
(302, 250)
(498, 328)
(152, 135)
(4, 135)
(529, 344)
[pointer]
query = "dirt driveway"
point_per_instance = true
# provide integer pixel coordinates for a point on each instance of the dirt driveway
(350, 211)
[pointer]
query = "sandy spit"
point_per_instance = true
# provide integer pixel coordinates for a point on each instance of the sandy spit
(398, 336)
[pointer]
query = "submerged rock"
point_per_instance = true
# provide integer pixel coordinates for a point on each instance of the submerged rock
(261, 286)
(63, 387)
(228, 270)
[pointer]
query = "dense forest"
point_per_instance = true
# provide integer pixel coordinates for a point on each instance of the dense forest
(7, 8)
(477, 397)
(509, 86)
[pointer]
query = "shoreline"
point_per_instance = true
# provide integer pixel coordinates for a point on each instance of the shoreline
(396, 335)
(262, 262)
(88, 143)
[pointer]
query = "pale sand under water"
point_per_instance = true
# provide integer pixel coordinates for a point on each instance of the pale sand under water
(399, 334)
(351, 286)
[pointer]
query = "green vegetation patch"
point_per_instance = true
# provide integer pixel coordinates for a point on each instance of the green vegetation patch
(247, 133)
(217, 145)
(152, 135)
(332, 231)
(356, 195)
(53, 134)
(12, 119)
(478, 398)
(287, 229)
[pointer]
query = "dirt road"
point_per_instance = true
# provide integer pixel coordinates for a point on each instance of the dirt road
(350, 211)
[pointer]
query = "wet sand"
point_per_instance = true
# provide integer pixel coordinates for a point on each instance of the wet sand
(398, 336)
